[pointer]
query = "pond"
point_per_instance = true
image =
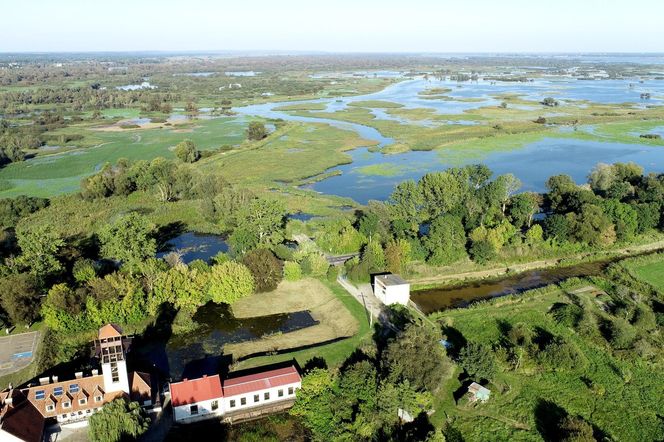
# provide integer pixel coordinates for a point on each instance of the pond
(192, 246)
(437, 299)
(200, 351)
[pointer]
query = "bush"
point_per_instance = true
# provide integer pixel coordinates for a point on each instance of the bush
(266, 269)
(482, 252)
(292, 271)
(478, 361)
(568, 315)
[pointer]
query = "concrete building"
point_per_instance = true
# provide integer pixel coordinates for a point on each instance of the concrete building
(209, 396)
(391, 289)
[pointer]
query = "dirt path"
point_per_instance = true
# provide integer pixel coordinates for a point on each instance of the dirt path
(541, 264)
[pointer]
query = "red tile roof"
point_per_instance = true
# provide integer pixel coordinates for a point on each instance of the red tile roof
(196, 390)
(261, 381)
(20, 418)
(109, 331)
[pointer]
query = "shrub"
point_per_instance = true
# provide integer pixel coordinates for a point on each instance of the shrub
(292, 271)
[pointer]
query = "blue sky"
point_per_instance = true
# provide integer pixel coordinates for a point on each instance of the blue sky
(334, 25)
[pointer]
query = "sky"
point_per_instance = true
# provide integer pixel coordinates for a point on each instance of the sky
(333, 25)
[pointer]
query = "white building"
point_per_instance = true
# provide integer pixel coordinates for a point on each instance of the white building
(209, 397)
(391, 289)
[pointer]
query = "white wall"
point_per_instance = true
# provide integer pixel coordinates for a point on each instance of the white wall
(6, 437)
(182, 414)
(109, 385)
(393, 294)
(274, 397)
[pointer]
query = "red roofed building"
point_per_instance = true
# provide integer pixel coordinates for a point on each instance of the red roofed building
(208, 397)
(196, 399)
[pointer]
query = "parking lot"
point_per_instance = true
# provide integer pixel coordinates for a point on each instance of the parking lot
(17, 351)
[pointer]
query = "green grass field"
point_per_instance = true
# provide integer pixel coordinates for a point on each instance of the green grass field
(650, 271)
(53, 174)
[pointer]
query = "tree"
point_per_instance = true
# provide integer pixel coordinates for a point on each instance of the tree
(397, 255)
(266, 269)
(373, 257)
(256, 131)
(508, 185)
(263, 219)
(117, 421)
(416, 356)
(446, 240)
(39, 248)
(405, 205)
(522, 208)
(183, 287)
(575, 429)
(558, 187)
(186, 151)
(602, 177)
(592, 226)
(19, 298)
(84, 270)
(229, 281)
(550, 102)
(129, 239)
(478, 361)
(313, 404)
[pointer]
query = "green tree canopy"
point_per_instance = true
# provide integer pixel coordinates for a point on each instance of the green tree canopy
(187, 152)
(39, 249)
(118, 421)
(229, 281)
(130, 239)
(266, 269)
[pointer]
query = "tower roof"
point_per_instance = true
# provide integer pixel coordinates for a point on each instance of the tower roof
(109, 331)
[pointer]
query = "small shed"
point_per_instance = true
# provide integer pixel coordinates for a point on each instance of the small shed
(478, 393)
(391, 289)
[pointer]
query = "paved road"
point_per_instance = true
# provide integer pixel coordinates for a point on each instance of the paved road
(364, 295)
(17, 351)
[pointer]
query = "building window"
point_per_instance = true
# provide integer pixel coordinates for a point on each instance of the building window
(87, 411)
(57, 391)
(266, 396)
(80, 413)
(73, 414)
(256, 397)
(66, 404)
(290, 390)
(243, 401)
(64, 416)
(98, 398)
(115, 375)
(215, 405)
(50, 407)
(280, 393)
(82, 401)
(73, 388)
(193, 409)
(232, 403)
(40, 394)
